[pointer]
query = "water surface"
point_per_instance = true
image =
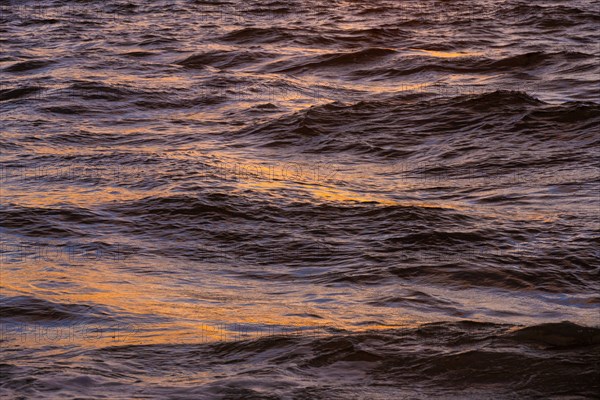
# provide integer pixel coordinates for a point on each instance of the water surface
(299, 200)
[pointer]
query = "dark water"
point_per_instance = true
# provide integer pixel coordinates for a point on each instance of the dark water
(300, 200)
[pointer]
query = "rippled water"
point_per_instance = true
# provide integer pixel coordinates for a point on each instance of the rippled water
(300, 200)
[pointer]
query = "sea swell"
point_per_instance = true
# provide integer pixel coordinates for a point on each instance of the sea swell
(299, 200)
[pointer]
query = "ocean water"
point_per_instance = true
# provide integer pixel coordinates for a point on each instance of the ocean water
(299, 200)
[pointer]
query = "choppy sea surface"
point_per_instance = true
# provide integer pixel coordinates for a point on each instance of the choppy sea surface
(300, 199)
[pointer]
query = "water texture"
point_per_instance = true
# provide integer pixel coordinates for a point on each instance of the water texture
(300, 199)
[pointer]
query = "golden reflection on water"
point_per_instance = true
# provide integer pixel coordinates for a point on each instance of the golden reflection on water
(449, 54)
(157, 311)
(80, 197)
(133, 287)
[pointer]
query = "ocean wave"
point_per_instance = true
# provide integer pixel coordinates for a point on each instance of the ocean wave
(223, 59)
(29, 65)
(464, 359)
(35, 310)
(391, 200)
(335, 60)
(318, 129)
